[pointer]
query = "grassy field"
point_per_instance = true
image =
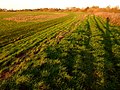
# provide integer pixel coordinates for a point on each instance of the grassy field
(58, 51)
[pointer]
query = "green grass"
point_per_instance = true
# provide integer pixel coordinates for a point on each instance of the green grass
(33, 57)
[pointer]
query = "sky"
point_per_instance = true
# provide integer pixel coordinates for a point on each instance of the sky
(34, 4)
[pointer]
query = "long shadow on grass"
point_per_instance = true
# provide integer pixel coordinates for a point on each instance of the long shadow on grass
(111, 70)
(78, 63)
(112, 32)
(65, 66)
(106, 40)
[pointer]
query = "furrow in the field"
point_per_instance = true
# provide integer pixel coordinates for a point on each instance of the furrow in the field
(25, 41)
(57, 29)
(64, 25)
(40, 29)
(37, 57)
(20, 54)
(66, 33)
(63, 32)
(30, 30)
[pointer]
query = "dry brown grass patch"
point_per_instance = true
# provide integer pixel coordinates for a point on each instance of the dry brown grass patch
(114, 17)
(35, 18)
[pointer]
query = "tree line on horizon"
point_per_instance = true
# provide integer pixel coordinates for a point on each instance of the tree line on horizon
(70, 9)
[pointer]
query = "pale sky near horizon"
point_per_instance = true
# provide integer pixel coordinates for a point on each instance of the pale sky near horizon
(32, 4)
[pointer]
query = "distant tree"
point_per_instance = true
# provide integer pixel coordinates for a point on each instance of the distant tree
(1, 10)
(86, 9)
(108, 7)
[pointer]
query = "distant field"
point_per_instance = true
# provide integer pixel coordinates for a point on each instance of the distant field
(59, 51)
